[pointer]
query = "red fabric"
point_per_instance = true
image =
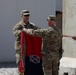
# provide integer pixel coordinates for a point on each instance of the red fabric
(33, 45)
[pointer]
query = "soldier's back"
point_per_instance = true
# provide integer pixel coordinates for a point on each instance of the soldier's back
(51, 41)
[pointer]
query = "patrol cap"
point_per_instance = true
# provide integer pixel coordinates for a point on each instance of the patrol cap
(25, 12)
(51, 17)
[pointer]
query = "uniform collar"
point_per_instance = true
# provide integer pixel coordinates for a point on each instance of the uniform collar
(22, 23)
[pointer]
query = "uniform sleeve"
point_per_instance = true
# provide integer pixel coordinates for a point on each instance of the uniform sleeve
(37, 32)
(40, 32)
(16, 30)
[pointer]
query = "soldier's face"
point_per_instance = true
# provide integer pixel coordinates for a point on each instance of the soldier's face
(51, 23)
(25, 18)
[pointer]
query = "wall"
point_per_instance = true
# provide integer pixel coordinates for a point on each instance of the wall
(69, 27)
(69, 45)
(59, 5)
(10, 11)
(7, 20)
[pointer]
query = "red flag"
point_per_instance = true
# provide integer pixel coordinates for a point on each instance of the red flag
(31, 47)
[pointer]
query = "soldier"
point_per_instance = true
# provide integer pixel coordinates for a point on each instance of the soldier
(17, 33)
(51, 46)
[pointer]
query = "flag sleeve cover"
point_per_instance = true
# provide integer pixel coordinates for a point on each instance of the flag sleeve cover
(21, 66)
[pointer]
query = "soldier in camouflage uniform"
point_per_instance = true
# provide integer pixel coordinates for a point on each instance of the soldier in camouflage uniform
(51, 46)
(17, 31)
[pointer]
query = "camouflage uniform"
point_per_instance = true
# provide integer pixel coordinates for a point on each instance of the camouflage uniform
(16, 31)
(51, 45)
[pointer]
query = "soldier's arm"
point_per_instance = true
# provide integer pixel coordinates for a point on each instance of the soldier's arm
(16, 30)
(37, 32)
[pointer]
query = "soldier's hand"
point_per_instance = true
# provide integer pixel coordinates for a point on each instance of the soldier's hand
(24, 29)
(28, 31)
(19, 31)
(74, 37)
